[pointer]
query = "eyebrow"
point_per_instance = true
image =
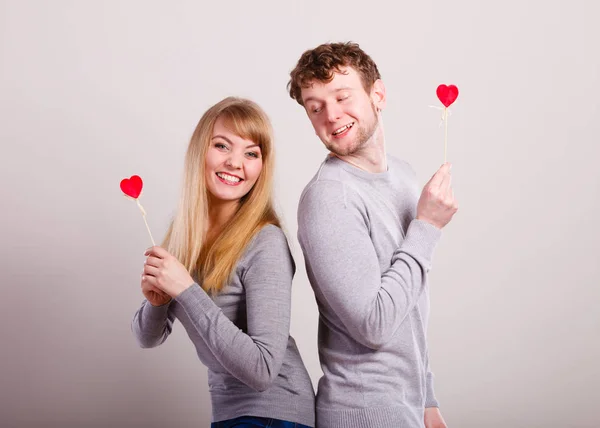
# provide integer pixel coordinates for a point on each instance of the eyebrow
(231, 142)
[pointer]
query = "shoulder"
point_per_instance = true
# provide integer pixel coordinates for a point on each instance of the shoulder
(330, 205)
(269, 235)
(329, 177)
(322, 189)
(326, 202)
(269, 249)
(269, 242)
(332, 168)
(331, 183)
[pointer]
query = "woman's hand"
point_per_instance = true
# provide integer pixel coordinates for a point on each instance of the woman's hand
(154, 295)
(164, 273)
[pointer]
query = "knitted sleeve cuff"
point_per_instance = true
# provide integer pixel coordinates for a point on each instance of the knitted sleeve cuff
(430, 400)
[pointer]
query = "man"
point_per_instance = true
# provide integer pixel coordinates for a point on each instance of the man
(368, 240)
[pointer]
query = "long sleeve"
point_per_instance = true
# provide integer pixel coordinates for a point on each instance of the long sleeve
(254, 356)
(151, 325)
(430, 399)
(333, 230)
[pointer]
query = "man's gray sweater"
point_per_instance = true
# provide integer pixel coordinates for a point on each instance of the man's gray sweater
(367, 259)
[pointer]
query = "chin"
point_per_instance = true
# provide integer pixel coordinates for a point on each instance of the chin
(225, 196)
(228, 198)
(343, 149)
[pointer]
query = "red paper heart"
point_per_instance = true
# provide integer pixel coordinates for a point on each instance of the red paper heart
(132, 186)
(447, 94)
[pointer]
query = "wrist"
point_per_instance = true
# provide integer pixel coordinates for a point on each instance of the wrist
(162, 304)
(181, 288)
(429, 221)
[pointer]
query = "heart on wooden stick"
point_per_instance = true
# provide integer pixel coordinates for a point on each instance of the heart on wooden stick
(132, 186)
(447, 94)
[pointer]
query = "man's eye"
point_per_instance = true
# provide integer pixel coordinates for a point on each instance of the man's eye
(316, 110)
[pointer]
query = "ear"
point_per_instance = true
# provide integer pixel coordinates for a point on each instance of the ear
(378, 95)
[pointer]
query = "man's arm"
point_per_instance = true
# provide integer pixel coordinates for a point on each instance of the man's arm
(430, 400)
(333, 231)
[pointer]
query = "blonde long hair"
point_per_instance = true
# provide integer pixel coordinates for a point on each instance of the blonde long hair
(186, 239)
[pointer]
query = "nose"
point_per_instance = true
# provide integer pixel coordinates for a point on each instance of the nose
(233, 161)
(334, 112)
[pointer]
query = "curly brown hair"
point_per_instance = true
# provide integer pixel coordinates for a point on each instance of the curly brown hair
(323, 61)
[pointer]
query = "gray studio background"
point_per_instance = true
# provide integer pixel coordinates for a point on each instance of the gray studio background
(92, 92)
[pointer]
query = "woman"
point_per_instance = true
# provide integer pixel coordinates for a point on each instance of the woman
(225, 272)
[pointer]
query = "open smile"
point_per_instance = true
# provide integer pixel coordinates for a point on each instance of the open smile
(230, 180)
(340, 132)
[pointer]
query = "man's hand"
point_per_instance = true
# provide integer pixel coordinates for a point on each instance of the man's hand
(437, 204)
(433, 418)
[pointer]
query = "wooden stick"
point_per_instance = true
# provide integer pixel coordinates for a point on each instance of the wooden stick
(445, 134)
(144, 217)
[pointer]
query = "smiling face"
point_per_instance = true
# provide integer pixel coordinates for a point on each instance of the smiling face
(233, 164)
(344, 116)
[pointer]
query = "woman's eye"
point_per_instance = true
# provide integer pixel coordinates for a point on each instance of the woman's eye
(220, 146)
(253, 154)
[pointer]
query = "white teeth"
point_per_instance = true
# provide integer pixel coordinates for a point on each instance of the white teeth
(228, 177)
(343, 128)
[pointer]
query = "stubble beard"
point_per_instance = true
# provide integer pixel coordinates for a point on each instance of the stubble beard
(363, 136)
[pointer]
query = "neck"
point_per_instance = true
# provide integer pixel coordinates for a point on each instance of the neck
(219, 213)
(371, 156)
